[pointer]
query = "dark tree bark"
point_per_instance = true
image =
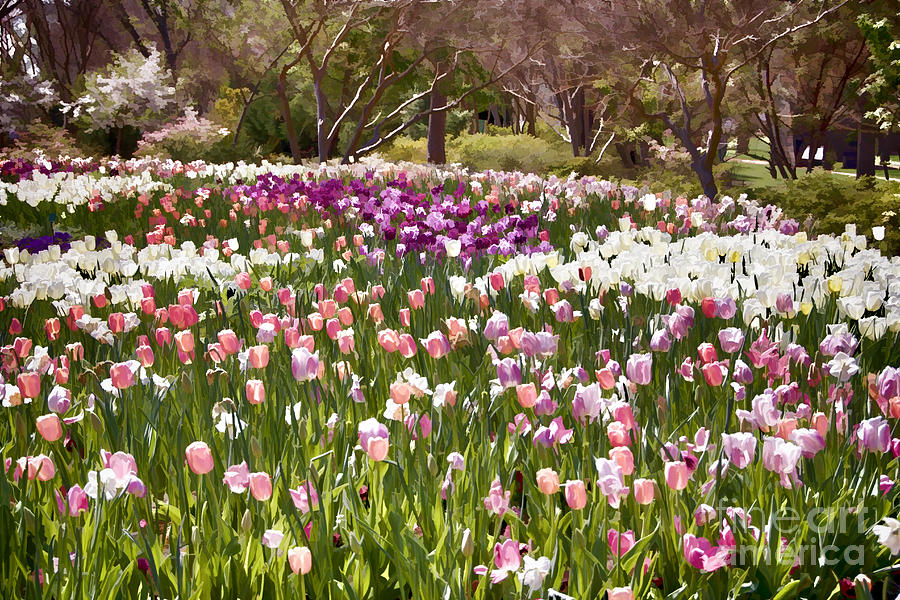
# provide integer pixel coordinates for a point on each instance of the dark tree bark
(531, 117)
(285, 106)
(437, 129)
(865, 150)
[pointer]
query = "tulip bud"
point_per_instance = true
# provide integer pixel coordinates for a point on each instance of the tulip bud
(432, 465)
(255, 448)
(247, 521)
(578, 539)
(468, 547)
(355, 546)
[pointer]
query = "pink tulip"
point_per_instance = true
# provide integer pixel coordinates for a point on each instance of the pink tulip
(199, 458)
(375, 313)
(78, 500)
(332, 328)
(677, 475)
(389, 340)
(304, 365)
(256, 391)
(547, 481)
(315, 321)
(260, 486)
(121, 375)
(526, 394)
(258, 356)
(405, 317)
(184, 341)
(49, 427)
(644, 491)
(237, 478)
(300, 560)
(619, 544)
(618, 434)
(345, 316)
(416, 299)
(739, 448)
(407, 347)
(624, 458)
(436, 344)
(116, 322)
(305, 497)
(229, 341)
(639, 368)
(621, 593)
(145, 355)
(576, 495)
(29, 384)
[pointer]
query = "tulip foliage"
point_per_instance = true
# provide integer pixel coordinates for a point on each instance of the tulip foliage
(389, 381)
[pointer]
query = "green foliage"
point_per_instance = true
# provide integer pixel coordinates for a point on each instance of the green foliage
(834, 201)
(406, 149)
(42, 140)
(499, 149)
(884, 57)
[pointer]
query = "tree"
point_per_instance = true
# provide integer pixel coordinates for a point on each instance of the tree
(132, 91)
(689, 52)
(804, 84)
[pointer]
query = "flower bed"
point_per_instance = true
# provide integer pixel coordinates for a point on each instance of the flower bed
(383, 381)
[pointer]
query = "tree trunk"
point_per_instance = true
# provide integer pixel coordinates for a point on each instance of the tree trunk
(705, 175)
(119, 135)
(884, 154)
(322, 140)
(531, 118)
(743, 143)
(494, 115)
(473, 126)
(437, 130)
(623, 150)
(865, 150)
(285, 106)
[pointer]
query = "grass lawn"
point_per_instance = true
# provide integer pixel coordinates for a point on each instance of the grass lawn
(754, 175)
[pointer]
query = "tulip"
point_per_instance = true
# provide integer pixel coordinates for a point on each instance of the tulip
(624, 458)
(620, 543)
(29, 384)
(78, 500)
(52, 329)
(229, 341)
(258, 356)
(644, 491)
(416, 299)
(199, 458)
(184, 341)
(49, 427)
(527, 394)
(547, 481)
(639, 368)
(145, 355)
(509, 373)
(407, 347)
(677, 475)
(300, 560)
(260, 486)
(121, 375)
(256, 391)
(304, 365)
(576, 495)
(389, 340)
(116, 322)
(621, 593)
